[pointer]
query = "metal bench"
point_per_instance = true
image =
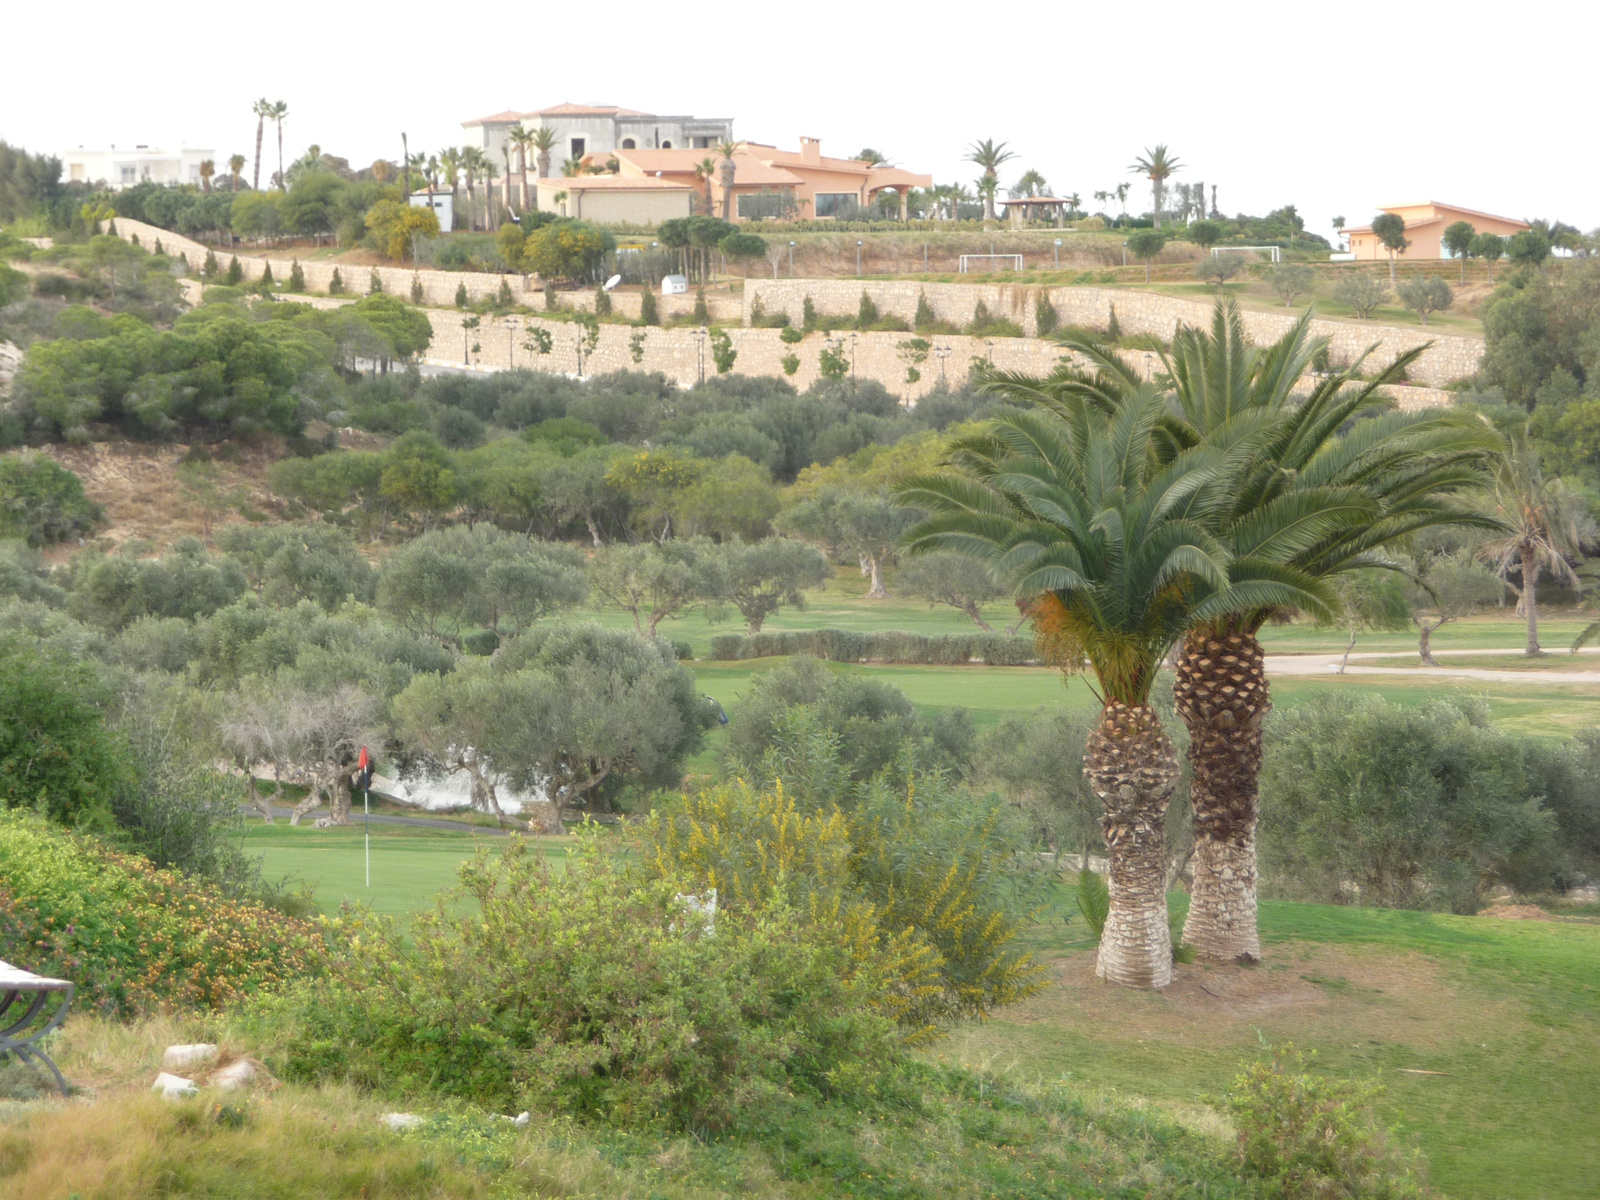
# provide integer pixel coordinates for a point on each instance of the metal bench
(43, 1003)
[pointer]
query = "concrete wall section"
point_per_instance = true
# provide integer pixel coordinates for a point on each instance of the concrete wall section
(1451, 357)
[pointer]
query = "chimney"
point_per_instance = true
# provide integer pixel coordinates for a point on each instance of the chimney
(811, 151)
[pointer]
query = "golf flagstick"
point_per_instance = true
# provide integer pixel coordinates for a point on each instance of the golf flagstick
(364, 777)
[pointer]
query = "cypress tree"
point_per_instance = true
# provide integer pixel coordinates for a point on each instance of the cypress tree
(503, 299)
(1113, 330)
(702, 312)
(866, 312)
(648, 314)
(235, 272)
(266, 278)
(297, 277)
(336, 284)
(210, 269)
(602, 302)
(375, 283)
(416, 288)
(461, 295)
(925, 318)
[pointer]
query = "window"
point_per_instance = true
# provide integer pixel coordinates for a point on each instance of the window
(578, 145)
(836, 204)
(129, 174)
(627, 143)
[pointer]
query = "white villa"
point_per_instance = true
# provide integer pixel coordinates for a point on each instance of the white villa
(125, 166)
(599, 129)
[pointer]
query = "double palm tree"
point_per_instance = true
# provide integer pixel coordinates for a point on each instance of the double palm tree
(1304, 503)
(1030, 184)
(279, 113)
(1157, 165)
(989, 155)
(235, 166)
(1077, 507)
(450, 172)
(207, 170)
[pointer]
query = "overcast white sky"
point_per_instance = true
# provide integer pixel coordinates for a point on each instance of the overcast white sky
(1315, 105)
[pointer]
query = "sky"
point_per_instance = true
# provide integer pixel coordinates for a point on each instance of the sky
(1274, 104)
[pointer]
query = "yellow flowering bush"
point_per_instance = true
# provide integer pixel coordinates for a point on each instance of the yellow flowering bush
(132, 937)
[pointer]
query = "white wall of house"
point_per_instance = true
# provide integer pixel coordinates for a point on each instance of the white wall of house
(125, 166)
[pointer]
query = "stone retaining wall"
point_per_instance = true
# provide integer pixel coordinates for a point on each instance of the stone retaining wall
(1451, 357)
(682, 356)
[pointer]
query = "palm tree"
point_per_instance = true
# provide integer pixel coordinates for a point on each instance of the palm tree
(1121, 193)
(727, 171)
(989, 155)
(280, 111)
(544, 140)
(1547, 523)
(1073, 203)
(704, 170)
(263, 110)
(207, 170)
(1030, 184)
(1157, 166)
(1072, 504)
(472, 164)
(1304, 504)
(522, 139)
(489, 172)
(1102, 198)
(235, 166)
(450, 172)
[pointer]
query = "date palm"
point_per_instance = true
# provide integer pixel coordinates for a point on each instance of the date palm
(1306, 500)
(1030, 184)
(207, 170)
(1157, 165)
(1547, 522)
(543, 140)
(279, 114)
(522, 140)
(727, 170)
(1071, 503)
(704, 171)
(989, 155)
(472, 165)
(235, 166)
(450, 172)
(262, 109)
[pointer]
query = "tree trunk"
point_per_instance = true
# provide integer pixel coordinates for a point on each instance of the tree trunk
(261, 128)
(875, 568)
(976, 614)
(1132, 767)
(1424, 640)
(1391, 268)
(1530, 602)
(1349, 646)
(312, 799)
(1222, 696)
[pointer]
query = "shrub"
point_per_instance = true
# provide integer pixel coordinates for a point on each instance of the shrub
(1094, 901)
(416, 288)
(866, 312)
(1045, 317)
(602, 300)
(841, 645)
(925, 318)
(808, 315)
(593, 993)
(1219, 269)
(297, 277)
(235, 274)
(42, 502)
(461, 295)
(924, 881)
(790, 363)
(1425, 296)
(266, 281)
(1361, 293)
(1290, 280)
(1307, 1135)
(374, 283)
(336, 284)
(791, 336)
(134, 938)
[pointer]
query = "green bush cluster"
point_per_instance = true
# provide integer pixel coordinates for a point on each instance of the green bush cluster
(134, 938)
(594, 992)
(43, 502)
(848, 645)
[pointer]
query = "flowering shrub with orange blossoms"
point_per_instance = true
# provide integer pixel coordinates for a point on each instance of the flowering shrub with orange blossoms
(132, 937)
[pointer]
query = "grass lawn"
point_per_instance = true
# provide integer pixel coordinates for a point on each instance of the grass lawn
(409, 866)
(1505, 1014)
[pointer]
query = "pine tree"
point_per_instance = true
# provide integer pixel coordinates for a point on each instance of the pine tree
(336, 284)
(925, 318)
(808, 315)
(648, 314)
(297, 277)
(375, 283)
(866, 312)
(1113, 330)
(158, 249)
(235, 272)
(461, 295)
(416, 288)
(266, 278)
(1045, 317)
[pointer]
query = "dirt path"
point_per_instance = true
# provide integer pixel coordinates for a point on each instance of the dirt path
(1324, 664)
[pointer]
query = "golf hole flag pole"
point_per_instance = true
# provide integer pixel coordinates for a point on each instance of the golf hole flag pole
(364, 782)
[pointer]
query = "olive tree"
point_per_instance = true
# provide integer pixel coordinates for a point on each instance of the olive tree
(1361, 293)
(1425, 296)
(656, 582)
(944, 578)
(764, 576)
(1290, 280)
(1145, 244)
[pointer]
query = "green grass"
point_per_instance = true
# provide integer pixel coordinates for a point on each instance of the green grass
(1507, 1013)
(409, 866)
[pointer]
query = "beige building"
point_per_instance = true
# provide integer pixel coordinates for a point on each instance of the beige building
(616, 198)
(1425, 226)
(584, 129)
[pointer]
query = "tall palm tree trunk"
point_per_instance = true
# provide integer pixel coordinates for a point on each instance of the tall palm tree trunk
(1530, 599)
(1131, 766)
(1222, 696)
(261, 129)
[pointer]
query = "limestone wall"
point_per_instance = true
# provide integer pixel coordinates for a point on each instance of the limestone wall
(1451, 357)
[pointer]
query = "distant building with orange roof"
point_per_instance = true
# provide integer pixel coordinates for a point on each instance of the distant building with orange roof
(1425, 226)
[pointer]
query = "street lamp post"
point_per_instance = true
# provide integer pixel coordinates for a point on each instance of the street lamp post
(858, 258)
(511, 324)
(1058, 254)
(852, 359)
(700, 352)
(791, 260)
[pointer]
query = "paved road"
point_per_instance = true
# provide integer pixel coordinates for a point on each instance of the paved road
(1323, 664)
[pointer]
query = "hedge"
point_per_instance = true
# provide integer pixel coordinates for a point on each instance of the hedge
(844, 645)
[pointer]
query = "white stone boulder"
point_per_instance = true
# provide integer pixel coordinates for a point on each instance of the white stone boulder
(400, 1122)
(241, 1074)
(180, 1058)
(174, 1087)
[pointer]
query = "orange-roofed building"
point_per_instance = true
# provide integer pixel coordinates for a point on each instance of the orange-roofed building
(1425, 226)
(768, 182)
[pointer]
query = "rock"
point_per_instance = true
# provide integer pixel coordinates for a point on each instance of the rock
(400, 1122)
(240, 1074)
(177, 1058)
(523, 1118)
(174, 1087)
